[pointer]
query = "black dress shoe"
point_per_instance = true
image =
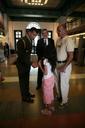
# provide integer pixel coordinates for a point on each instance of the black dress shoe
(37, 88)
(59, 99)
(32, 95)
(63, 105)
(28, 99)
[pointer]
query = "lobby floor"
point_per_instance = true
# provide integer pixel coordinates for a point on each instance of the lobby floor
(17, 114)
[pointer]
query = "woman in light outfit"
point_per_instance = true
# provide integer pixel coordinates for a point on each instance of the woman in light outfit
(47, 86)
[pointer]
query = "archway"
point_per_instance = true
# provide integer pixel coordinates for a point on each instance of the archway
(33, 24)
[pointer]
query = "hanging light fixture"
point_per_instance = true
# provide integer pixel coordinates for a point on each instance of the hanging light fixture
(35, 2)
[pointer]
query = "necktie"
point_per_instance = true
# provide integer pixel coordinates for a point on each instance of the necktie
(45, 42)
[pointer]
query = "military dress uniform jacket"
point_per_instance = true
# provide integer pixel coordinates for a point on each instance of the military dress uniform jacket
(24, 48)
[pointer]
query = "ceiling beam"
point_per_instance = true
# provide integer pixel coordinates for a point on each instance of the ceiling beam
(70, 6)
(66, 8)
(33, 13)
(78, 14)
(33, 19)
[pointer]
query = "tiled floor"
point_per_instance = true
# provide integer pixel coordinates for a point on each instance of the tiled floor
(17, 114)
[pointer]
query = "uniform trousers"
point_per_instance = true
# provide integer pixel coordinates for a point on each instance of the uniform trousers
(24, 72)
(39, 78)
(63, 84)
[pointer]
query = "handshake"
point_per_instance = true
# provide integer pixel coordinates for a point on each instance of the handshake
(34, 60)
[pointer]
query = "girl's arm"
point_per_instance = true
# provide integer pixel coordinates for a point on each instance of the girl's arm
(40, 65)
(44, 69)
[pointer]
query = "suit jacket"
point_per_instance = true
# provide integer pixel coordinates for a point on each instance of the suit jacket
(48, 51)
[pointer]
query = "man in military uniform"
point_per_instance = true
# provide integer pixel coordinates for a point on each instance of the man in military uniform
(24, 47)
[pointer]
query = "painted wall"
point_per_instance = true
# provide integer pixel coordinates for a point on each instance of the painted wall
(3, 27)
(22, 26)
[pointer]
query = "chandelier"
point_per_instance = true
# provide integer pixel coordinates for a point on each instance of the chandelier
(35, 2)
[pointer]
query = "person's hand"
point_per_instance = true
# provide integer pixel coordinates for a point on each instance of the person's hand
(61, 68)
(34, 65)
(39, 63)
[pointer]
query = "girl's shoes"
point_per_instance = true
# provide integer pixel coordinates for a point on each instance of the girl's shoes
(46, 112)
(52, 109)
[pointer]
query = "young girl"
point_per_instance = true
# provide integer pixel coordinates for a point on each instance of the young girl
(47, 86)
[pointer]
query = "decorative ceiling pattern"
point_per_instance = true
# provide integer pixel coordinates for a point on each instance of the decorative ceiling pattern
(50, 3)
(51, 11)
(19, 3)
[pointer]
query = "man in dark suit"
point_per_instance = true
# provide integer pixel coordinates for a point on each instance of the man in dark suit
(24, 47)
(45, 48)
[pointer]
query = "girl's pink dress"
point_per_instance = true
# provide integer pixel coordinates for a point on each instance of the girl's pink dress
(47, 87)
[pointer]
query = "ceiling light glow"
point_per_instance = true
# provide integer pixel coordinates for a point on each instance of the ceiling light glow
(35, 2)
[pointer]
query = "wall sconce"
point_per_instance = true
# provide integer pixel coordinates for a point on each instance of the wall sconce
(1, 34)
